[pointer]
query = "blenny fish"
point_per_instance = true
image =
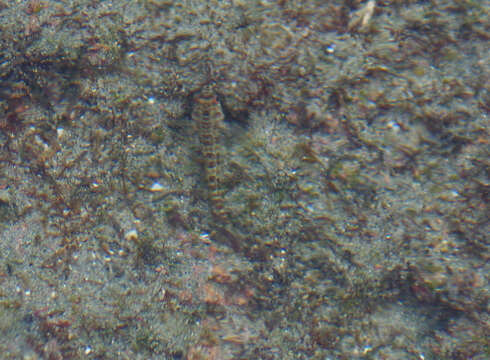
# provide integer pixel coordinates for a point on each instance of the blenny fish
(208, 116)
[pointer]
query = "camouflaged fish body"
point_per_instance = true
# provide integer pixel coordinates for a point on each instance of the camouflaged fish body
(208, 116)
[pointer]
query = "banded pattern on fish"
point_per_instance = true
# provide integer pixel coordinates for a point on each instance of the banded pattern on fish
(208, 116)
